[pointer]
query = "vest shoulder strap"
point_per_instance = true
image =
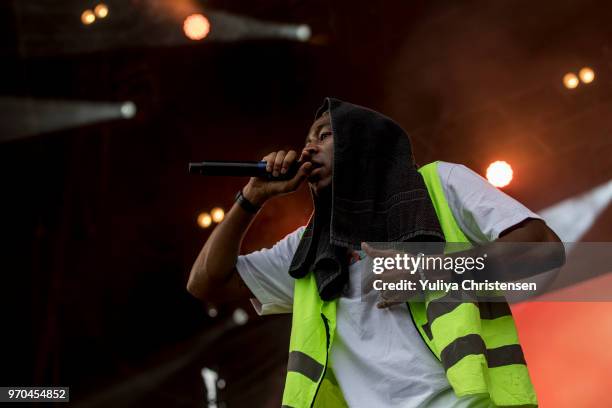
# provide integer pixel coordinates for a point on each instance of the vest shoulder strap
(450, 228)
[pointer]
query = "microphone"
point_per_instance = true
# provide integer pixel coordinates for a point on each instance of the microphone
(241, 169)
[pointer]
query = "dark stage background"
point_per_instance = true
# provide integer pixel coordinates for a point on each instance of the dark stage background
(99, 220)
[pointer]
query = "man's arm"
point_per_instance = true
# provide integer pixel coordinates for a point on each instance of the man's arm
(511, 262)
(503, 227)
(213, 276)
(524, 259)
(529, 230)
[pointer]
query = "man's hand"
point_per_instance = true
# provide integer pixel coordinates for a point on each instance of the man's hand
(259, 190)
(214, 276)
(388, 298)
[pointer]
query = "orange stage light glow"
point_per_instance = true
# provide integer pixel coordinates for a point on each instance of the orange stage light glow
(499, 173)
(196, 27)
(88, 17)
(101, 10)
(204, 220)
(217, 214)
(587, 75)
(570, 80)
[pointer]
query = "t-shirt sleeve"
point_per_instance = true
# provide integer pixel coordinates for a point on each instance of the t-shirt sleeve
(266, 273)
(481, 210)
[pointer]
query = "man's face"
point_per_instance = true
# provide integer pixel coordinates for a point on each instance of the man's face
(319, 150)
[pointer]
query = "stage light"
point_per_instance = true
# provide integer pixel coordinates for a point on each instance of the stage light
(217, 214)
(128, 110)
(574, 216)
(196, 27)
(25, 117)
(240, 317)
(587, 75)
(499, 173)
(570, 80)
(212, 312)
(88, 17)
(204, 220)
(101, 10)
(303, 32)
(300, 32)
(210, 378)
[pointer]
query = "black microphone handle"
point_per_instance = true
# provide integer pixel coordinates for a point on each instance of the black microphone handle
(240, 169)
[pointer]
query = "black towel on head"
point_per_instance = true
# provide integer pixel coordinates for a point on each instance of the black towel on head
(377, 195)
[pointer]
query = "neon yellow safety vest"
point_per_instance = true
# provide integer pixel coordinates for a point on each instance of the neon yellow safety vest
(476, 343)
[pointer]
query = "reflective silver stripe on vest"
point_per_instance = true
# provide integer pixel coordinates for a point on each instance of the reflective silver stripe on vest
(446, 304)
(473, 344)
(304, 364)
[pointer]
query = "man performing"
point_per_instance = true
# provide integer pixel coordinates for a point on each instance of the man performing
(344, 350)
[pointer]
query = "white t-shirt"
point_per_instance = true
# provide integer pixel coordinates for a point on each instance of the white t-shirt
(378, 356)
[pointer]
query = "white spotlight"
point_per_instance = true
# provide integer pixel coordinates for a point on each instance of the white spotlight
(210, 378)
(293, 32)
(573, 217)
(240, 317)
(24, 117)
(128, 110)
(303, 33)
